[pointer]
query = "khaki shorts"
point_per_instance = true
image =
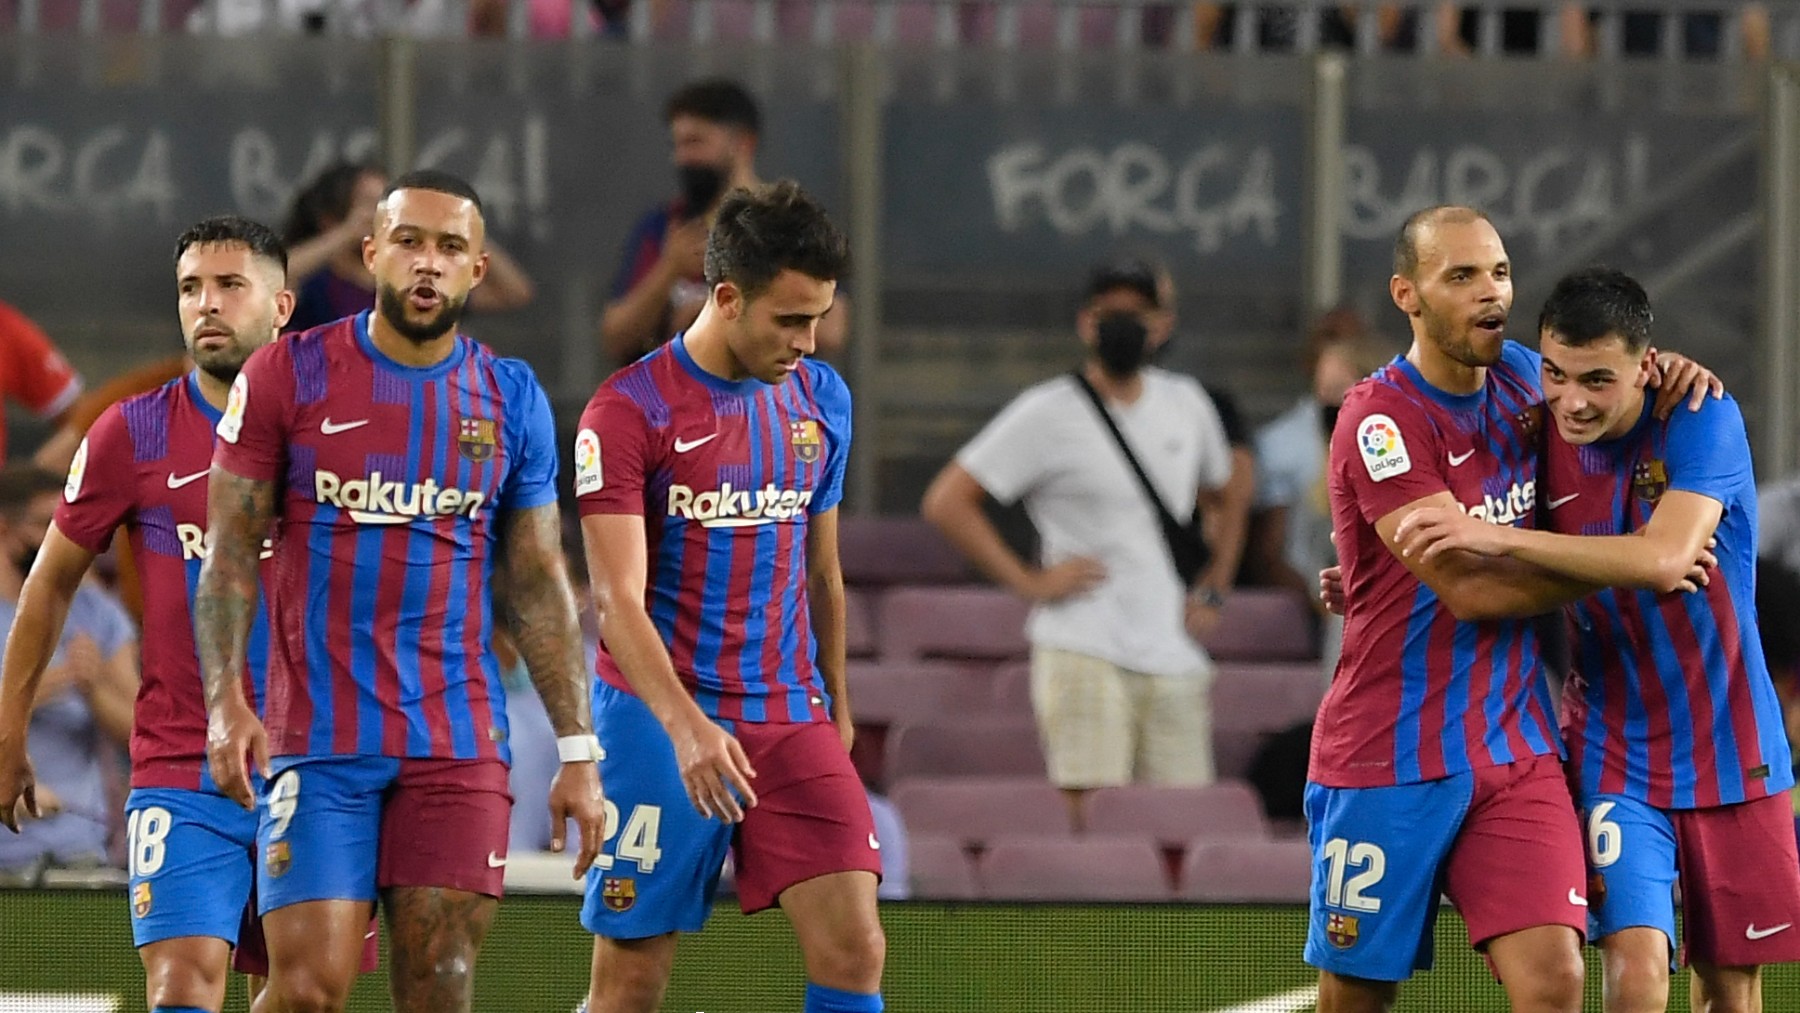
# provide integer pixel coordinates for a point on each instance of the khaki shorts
(1103, 725)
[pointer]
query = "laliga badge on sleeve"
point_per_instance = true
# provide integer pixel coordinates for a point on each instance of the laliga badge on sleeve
(1382, 447)
(587, 463)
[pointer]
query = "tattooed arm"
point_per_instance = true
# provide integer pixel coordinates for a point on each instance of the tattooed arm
(238, 514)
(536, 607)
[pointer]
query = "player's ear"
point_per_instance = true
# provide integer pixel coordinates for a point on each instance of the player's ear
(481, 268)
(1087, 327)
(729, 298)
(284, 308)
(1405, 296)
(1647, 366)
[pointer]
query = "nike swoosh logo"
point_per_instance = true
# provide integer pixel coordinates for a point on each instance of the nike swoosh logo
(1560, 500)
(1755, 933)
(495, 861)
(1576, 899)
(873, 843)
(177, 481)
(1456, 460)
(329, 427)
(683, 446)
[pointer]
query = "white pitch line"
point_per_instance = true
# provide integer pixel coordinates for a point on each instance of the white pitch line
(1304, 998)
(54, 1002)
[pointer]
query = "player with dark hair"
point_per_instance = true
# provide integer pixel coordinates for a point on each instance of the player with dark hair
(144, 466)
(411, 477)
(708, 476)
(1677, 746)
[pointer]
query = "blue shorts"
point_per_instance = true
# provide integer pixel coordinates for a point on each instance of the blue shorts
(192, 858)
(1632, 866)
(347, 827)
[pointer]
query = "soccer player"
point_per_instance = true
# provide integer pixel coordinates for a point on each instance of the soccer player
(144, 465)
(708, 475)
(1436, 761)
(410, 474)
(1675, 732)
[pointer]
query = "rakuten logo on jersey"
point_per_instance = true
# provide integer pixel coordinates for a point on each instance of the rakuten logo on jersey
(1518, 504)
(196, 542)
(726, 507)
(374, 500)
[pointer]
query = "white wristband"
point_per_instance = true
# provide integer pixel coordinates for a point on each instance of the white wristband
(578, 749)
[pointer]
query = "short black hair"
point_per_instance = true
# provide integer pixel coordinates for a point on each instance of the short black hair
(22, 483)
(773, 228)
(1135, 274)
(325, 200)
(1406, 244)
(1594, 302)
(436, 179)
(716, 100)
(262, 240)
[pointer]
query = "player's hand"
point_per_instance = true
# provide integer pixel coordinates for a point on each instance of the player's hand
(846, 726)
(235, 740)
(1331, 589)
(575, 795)
(18, 784)
(684, 248)
(1677, 378)
(1429, 532)
(1066, 579)
(713, 768)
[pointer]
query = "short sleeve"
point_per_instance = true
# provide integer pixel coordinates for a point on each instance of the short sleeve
(833, 398)
(98, 494)
(259, 411)
(612, 451)
(1708, 451)
(1215, 448)
(36, 373)
(1386, 451)
(531, 432)
(1008, 456)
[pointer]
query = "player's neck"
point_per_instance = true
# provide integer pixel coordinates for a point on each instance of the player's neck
(1443, 372)
(213, 389)
(1124, 391)
(405, 350)
(706, 345)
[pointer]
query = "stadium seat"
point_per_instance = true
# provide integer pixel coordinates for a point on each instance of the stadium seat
(902, 693)
(969, 623)
(1266, 697)
(859, 625)
(1012, 689)
(1239, 871)
(1002, 747)
(1175, 816)
(1263, 624)
(897, 550)
(975, 810)
(940, 869)
(1092, 868)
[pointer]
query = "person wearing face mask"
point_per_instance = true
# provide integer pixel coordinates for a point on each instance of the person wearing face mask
(1118, 681)
(1291, 531)
(81, 713)
(715, 127)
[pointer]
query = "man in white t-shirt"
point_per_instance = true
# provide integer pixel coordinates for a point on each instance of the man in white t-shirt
(1117, 680)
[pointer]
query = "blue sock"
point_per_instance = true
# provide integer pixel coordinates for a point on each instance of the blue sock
(820, 999)
(178, 1009)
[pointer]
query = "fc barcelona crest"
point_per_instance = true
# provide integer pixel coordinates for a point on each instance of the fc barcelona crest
(278, 858)
(1530, 422)
(475, 438)
(1340, 930)
(1649, 480)
(804, 435)
(140, 900)
(618, 892)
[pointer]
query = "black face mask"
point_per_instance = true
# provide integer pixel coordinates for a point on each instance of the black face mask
(1122, 344)
(700, 186)
(1328, 415)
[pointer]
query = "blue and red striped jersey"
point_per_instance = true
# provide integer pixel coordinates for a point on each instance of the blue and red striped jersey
(391, 480)
(144, 465)
(1670, 700)
(1419, 695)
(727, 476)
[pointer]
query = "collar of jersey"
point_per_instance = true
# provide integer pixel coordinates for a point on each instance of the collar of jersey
(746, 387)
(410, 372)
(195, 395)
(1454, 402)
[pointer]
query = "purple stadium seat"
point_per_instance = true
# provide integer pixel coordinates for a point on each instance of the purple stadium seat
(859, 624)
(897, 550)
(1089, 868)
(1266, 697)
(966, 623)
(940, 868)
(995, 747)
(1012, 689)
(1275, 871)
(975, 810)
(1263, 624)
(903, 692)
(1175, 816)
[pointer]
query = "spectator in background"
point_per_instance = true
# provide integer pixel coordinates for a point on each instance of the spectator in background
(1117, 680)
(325, 228)
(82, 716)
(1292, 540)
(714, 129)
(34, 374)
